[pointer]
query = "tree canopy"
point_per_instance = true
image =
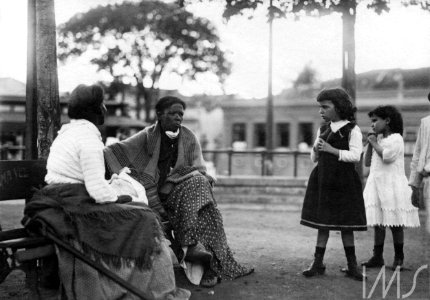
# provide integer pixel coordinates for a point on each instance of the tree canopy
(143, 41)
(307, 77)
(317, 8)
(282, 8)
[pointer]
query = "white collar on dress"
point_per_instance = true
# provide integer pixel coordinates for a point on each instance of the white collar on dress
(335, 126)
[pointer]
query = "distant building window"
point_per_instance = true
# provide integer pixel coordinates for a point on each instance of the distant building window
(306, 133)
(260, 135)
(4, 108)
(19, 108)
(283, 135)
(239, 132)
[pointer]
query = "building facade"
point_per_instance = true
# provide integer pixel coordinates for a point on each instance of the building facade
(296, 117)
(13, 122)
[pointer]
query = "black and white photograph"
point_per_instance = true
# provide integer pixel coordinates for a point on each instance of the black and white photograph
(214, 149)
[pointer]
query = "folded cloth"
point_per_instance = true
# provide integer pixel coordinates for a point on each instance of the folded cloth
(114, 233)
(124, 184)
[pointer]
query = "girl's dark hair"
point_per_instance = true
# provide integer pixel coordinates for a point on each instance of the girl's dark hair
(85, 102)
(389, 112)
(342, 102)
(166, 102)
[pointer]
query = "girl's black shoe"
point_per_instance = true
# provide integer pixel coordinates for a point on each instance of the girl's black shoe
(353, 271)
(374, 262)
(317, 267)
(397, 263)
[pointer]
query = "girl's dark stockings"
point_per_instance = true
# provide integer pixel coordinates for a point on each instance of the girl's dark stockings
(397, 232)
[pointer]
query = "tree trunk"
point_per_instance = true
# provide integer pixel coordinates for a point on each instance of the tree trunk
(348, 48)
(31, 127)
(42, 75)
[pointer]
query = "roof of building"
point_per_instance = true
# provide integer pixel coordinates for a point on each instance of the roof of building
(10, 86)
(401, 87)
(409, 98)
(15, 121)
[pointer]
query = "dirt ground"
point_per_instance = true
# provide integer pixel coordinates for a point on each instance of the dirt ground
(271, 240)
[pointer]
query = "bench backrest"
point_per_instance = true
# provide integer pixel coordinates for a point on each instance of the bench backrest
(19, 177)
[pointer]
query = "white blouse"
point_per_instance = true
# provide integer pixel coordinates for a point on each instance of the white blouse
(355, 143)
(76, 156)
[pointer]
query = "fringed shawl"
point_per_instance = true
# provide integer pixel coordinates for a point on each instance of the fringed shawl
(115, 233)
(140, 154)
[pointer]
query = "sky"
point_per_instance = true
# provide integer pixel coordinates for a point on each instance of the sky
(398, 39)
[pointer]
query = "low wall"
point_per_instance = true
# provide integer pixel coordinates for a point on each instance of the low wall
(260, 190)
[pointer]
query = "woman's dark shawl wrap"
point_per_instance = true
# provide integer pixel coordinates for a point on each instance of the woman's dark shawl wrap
(114, 233)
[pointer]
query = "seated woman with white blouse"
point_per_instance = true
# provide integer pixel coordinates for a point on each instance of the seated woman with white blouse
(123, 236)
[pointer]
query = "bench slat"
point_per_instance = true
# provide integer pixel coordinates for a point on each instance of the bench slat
(26, 242)
(34, 253)
(13, 234)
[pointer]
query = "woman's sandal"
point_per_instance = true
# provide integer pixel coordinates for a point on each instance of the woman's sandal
(209, 282)
(209, 279)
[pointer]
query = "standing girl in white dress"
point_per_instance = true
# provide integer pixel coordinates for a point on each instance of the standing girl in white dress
(387, 194)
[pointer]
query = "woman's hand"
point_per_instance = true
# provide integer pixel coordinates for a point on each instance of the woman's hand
(123, 199)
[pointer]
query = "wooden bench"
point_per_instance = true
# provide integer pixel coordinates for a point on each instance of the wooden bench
(19, 180)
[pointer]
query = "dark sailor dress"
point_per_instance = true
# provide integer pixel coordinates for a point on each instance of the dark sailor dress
(334, 196)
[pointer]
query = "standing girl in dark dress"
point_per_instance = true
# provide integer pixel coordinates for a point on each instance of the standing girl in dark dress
(334, 198)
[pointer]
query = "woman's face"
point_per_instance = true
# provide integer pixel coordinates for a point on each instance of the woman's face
(171, 118)
(328, 111)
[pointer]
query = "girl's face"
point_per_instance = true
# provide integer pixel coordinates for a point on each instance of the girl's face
(171, 118)
(379, 125)
(328, 112)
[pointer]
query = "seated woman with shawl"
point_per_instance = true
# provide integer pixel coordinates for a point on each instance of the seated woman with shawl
(167, 159)
(84, 210)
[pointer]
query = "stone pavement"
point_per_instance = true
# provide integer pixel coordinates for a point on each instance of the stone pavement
(270, 238)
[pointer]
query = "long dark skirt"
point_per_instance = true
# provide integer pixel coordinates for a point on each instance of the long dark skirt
(195, 218)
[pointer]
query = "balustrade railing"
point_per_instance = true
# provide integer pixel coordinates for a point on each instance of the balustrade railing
(290, 163)
(228, 162)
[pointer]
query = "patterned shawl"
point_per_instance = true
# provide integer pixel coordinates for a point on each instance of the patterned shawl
(140, 154)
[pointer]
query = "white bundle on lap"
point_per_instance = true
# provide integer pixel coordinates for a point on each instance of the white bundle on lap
(124, 184)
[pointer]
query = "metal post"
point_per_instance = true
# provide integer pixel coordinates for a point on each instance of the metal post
(269, 117)
(348, 48)
(263, 165)
(230, 154)
(295, 163)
